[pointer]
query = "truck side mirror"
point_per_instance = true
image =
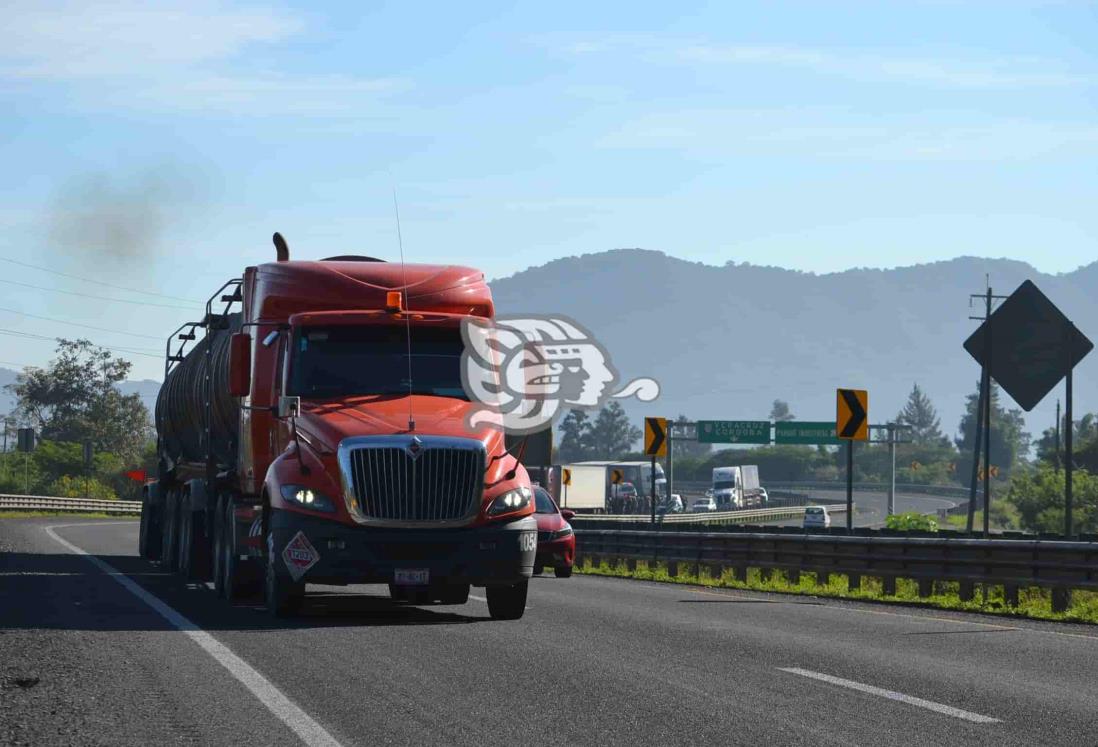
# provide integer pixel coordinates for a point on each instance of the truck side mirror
(289, 407)
(240, 364)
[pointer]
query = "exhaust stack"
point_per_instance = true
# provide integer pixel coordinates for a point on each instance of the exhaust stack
(282, 250)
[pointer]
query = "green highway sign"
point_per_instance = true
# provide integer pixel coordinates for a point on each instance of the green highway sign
(803, 432)
(734, 431)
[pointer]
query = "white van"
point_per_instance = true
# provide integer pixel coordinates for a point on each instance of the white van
(816, 517)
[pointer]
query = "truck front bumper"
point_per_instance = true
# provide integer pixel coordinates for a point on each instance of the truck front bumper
(334, 553)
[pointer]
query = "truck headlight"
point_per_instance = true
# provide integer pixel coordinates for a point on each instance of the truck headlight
(308, 498)
(510, 501)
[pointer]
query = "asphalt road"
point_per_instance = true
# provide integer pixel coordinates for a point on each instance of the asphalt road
(86, 660)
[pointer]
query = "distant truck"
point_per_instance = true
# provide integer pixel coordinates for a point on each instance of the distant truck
(592, 488)
(736, 487)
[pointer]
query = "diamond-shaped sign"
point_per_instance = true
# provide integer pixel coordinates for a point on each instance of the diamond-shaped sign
(1033, 345)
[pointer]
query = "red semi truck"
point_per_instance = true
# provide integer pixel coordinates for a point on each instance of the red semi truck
(312, 429)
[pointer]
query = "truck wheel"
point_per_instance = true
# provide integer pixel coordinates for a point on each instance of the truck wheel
(539, 569)
(455, 594)
(194, 550)
(283, 596)
(398, 593)
(148, 539)
(218, 552)
(507, 602)
(183, 539)
(167, 541)
(563, 572)
(239, 578)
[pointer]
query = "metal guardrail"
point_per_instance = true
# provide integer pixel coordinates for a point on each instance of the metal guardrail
(943, 491)
(713, 517)
(67, 505)
(1054, 564)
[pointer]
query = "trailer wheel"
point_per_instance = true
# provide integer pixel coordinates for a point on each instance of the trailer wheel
(145, 530)
(398, 593)
(194, 550)
(507, 602)
(168, 535)
(283, 596)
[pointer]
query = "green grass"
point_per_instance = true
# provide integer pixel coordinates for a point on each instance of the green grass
(1033, 602)
(41, 514)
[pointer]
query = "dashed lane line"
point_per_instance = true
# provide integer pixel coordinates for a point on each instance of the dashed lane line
(929, 705)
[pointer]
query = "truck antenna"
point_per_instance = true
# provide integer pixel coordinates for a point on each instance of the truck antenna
(407, 312)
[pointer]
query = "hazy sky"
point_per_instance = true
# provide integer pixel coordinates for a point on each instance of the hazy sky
(157, 146)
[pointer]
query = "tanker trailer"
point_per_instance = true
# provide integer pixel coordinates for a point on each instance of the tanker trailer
(313, 428)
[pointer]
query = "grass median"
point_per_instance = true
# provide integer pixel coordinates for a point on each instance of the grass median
(1033, 602)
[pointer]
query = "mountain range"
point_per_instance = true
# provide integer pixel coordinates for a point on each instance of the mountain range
(724, 342)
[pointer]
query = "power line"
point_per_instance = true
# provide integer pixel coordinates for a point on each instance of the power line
(97, 298)
(96, 282)
(78, 324)
(23, 365)
(30, 336)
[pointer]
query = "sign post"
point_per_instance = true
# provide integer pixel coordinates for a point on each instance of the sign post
(1028, 346)
(655, 445)
(851, 424)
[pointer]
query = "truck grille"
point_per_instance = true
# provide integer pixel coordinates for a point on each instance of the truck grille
(405, 478)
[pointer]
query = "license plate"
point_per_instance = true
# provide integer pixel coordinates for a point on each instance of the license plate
(411, 576)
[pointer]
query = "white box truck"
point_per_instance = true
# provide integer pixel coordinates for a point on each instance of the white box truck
(592, 487)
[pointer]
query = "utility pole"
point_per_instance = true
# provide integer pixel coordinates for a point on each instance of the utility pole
(983, 418)
(892, 469)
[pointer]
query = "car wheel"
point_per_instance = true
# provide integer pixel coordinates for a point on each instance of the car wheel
(563, 572)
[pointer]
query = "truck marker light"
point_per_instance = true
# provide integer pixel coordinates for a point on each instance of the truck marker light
(299, 556)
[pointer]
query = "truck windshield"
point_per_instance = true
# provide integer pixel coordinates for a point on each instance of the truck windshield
(373, 359)
(724, 485)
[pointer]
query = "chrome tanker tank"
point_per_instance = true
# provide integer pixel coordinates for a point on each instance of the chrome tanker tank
(181, 404)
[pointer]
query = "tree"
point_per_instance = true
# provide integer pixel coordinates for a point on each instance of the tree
(575, 438)
(688, 449)
(75, 399)
(1038, 495)
(1009, 440)
(612, 435)
(779, 412)
(1084, 436)
(922, 417)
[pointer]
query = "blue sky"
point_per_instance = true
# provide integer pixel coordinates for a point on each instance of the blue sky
(811, 135)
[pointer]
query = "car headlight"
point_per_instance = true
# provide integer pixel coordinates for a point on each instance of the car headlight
(510, 501)
(560, 533)
(308, 498)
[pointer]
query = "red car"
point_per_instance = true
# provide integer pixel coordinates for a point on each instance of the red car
(556, 542)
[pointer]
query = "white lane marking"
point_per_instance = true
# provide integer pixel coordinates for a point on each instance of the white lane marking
(930, 705)
(310, 732)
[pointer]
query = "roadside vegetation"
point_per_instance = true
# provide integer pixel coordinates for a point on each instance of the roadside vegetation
(73, 401)
(1033, 602)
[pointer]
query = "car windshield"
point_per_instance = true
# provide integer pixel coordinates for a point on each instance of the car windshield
(373, 359)
(724, 485)
(544, 504)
